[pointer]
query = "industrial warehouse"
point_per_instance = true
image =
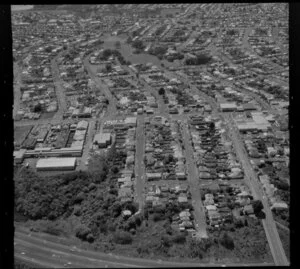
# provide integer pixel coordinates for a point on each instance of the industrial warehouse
(49, 164)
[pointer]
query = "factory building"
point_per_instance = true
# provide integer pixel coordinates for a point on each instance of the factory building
(52, 164)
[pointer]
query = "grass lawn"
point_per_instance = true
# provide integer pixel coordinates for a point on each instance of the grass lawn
(21, 132)
(47, 115)
(285, 240)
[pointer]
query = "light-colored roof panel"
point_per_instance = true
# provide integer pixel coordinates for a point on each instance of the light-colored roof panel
(56, 162)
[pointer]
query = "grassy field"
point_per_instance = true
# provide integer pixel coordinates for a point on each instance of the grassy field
(285, 239)
(47, 115)
(20, 133)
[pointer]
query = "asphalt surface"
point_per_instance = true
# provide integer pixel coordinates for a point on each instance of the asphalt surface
(88, 142)
(139, 161)
(193, 178)
(59, 89)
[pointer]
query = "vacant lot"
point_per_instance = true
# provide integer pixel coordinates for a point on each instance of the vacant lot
(20, 133)
(47, 115)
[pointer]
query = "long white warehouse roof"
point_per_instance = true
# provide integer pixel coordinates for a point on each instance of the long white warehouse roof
(56, 162)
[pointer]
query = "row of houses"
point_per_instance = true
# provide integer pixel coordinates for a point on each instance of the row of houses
(163, 150)
(214, 156)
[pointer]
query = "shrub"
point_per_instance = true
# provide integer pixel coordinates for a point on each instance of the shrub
(50, 229)
(227, 241)
(92, 186)
(133, 207)
(82, 232)
(157, 217)
(130, 224)
(257, 206)
(80, 197)
(179, 238)
(195, 249)
(166, 241)
(123, 238)
(138, 220)
(261, 215)
(143, 249)
(77, 210)
(115, 169)
(90, 238)
(238, 223)
(161, 91)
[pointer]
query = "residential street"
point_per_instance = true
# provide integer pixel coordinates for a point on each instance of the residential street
(193, 178)
(139, 161)
(251, 179)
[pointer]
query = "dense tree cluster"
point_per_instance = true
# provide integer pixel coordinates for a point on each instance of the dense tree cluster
(198, 60)
(158, 51)
(138, 45)
(108, 52)
(49, 197)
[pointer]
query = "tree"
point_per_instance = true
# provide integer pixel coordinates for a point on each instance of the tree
(121, 237)
(115, 169)
(38, 108)
(179, 238)
(257, 206)
(161, 91)
(82, 232)
(138, 44)
(108, 68)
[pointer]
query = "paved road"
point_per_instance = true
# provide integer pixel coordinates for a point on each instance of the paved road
(193, 178)
(53, 252)
(139, 161)
(251, 179)
(60, 90)
(88, 142)
(112, 108)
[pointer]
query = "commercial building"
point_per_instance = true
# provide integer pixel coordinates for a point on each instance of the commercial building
(52, 164)
(228, 107)
(102, 139)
